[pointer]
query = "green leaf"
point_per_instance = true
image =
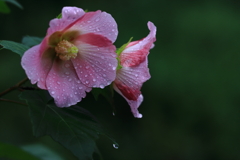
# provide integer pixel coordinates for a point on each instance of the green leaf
(42, 152)
(14, 152)
(31, 41)
(59, 16)
(73, 127)
(14, 47)
(15, 3)
(3, 7)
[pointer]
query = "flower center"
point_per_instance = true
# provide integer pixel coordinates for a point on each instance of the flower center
(66, 50)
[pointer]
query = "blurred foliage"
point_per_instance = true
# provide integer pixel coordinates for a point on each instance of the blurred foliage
(191, 105)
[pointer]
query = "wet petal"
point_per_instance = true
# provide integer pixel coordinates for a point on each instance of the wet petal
(69, 16)
(96, 62)
(37, 65)
(64, 85)
(137, 51)
(134, 104)
(97, 22)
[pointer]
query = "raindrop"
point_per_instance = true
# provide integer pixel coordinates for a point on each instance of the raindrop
(75, 93)
(113, 114)
(71, 95)
(53, 92)
(87, 82)
(67, 73)
(97, 20)
(78, 81)
(101, 86)
(70, 79)
(115, 146)
(110, 64)
(86, 75)
(88, 21)
(104, 75)
(87, 67)
(79, 87)
(94, 80)
(114, 68)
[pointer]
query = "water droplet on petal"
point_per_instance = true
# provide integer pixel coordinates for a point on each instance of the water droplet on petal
(86, 82)
(70, 79)
(114, 68)
(78, 81)
(67, 73)
(101, 86)
(79, 87)
(94, 80)
(67, 65)
(87, 67)
(53, 92)
(75, 93)
(86, 75)
(97, 19)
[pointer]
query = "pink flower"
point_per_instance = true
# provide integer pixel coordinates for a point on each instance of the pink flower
(134, 71)
(76, 54)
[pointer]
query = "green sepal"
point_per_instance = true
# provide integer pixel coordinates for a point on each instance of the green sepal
(119, 50)
(59, 16)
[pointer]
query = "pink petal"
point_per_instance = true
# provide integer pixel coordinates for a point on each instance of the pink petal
(37, 65)
(64, 85)
(97, 22)
(134, 104)
(96, 62)
(69, 16)
(137, 51)
(129, 80)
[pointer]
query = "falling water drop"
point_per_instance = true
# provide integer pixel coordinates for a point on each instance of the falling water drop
(115, 146)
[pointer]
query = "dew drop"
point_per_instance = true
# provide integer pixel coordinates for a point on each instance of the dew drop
(86, 75)
(94, 80)
(114, 68)
(104, 75)
(87, 82)
(115, 146)
(87, 67)
(101, 86)
(79, 87)
(97, 19)
(75, 93)
(70, 79)
(53, 92)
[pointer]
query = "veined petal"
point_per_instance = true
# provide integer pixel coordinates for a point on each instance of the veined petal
(136, 52)
(134, 104)
(64, 85)
(96, 62)
(37, 65)
(97, 22)
(69, 16)
(129, 80)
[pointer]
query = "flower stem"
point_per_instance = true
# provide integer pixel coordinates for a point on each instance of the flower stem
(8, 100)
(14, 87)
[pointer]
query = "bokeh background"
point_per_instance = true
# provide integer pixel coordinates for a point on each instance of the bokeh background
(191, 108)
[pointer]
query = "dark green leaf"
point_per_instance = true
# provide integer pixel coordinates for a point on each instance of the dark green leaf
(42, 152)
(73, 127)
(14, 152)
(14, 2)
(14, 47)
(3, 7)
(31, 41)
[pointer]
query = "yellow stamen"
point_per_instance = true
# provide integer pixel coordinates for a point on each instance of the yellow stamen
(66, 50)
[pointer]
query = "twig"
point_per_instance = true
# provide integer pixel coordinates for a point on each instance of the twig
(8, 100)
(14, 87)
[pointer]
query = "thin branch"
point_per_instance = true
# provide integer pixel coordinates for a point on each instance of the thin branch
(8, 100)
(14, 87)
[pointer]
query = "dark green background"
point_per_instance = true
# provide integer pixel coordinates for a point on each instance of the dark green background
(191, 108)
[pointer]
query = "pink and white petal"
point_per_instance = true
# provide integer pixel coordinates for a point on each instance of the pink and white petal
(64, 85)
(131, 79)
(69, 16)
(97, 22)
(36, 65)
(134, 104)
(136, 51)
(96, 62)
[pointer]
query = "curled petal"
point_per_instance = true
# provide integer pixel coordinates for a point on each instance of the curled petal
(97, 22)
(37, 65)
(64, 85)
(136, 52)
(134, 104)
(96, 62)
